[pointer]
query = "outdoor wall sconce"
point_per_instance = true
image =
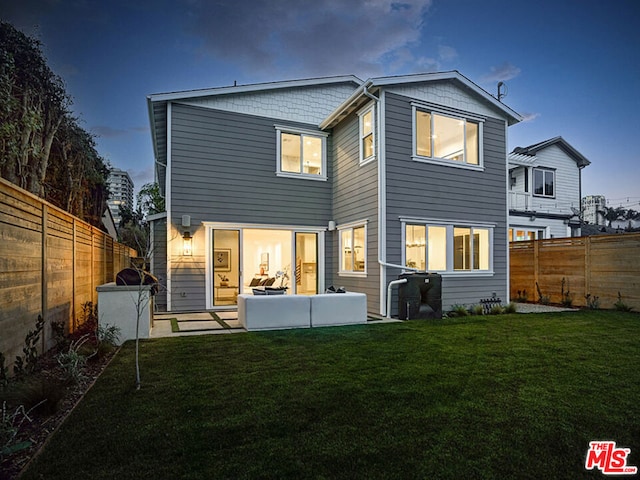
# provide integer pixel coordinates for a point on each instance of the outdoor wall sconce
(186, 244)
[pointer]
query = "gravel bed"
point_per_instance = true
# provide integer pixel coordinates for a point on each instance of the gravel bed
(539, 308)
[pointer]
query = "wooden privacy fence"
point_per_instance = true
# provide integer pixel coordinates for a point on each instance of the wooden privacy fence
(50, 264)
(601, 265)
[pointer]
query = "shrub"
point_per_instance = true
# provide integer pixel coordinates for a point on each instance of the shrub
(4, 372)
(621, 306)
(592, 302)
(543, 299)
(476, 310)
(10, 423)
(522, 296)
(37, 393)
(27, 364)
(510, 308)
(567, 298)
(496, 310)
(72, 360)
(458, 311)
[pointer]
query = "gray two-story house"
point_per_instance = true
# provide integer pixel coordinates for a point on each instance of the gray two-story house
(330, 181)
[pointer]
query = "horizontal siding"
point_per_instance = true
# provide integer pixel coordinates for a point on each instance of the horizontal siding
(567, 179)
(355, 198)
(223, 169)
(449, 194)
(159, 262)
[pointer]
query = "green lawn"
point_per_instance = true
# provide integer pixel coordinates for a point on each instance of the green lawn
(512, 396)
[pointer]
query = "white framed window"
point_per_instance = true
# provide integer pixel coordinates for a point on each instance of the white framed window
(458, 248)
(447, 139)
(301, 153)
(521, 234)
(544, 182)
(367, 129)
(353, 249)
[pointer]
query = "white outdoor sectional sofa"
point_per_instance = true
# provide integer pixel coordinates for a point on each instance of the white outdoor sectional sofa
(271, 312)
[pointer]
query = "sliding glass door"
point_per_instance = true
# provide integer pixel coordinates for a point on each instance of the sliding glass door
(226, 267)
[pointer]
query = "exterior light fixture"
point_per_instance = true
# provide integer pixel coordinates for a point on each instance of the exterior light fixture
(186, 244)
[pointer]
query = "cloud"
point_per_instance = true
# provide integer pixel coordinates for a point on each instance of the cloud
(105, 131)
(529, 116)
(446, 53)
(108, 132)
(141, 177)
(317, 37)
(403, 59)
(503, 72)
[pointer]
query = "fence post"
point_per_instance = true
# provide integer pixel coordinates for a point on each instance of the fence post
(43, 288)
(587, 266)
(74, 272)
(536, 261)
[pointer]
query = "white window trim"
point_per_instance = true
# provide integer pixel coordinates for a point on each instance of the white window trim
(443, 161)
(351, 226)
(533, 181)
(450, 225)
(361, 114)
(280, 129)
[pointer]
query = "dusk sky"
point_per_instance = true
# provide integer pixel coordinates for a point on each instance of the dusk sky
(572, 67)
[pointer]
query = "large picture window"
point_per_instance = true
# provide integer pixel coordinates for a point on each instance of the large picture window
(448, 248)
(543, 182)
(353, 250)
(301, 153)
(446, 138)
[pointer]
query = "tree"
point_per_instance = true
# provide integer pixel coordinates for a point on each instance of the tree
(612, 214)
(77, 176)
(42, 147)
(134, 227)
(33, 104)
(150, 199)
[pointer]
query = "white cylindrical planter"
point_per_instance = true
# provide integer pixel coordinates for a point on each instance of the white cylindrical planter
(119, 305)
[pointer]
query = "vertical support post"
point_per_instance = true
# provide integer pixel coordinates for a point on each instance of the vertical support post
(44, 279)
(536, 261)
(92, 267)
(587, 266)
(73, 280)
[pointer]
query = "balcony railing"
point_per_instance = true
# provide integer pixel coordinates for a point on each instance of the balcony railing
(525, 202)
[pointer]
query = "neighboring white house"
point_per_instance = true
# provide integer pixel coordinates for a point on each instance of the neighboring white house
(593, 209)
(545, 190)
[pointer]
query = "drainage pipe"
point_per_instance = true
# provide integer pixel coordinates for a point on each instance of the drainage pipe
(389, 287)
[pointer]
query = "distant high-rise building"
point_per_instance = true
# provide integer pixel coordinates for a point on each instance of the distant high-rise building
(121, 189)
(593, 209)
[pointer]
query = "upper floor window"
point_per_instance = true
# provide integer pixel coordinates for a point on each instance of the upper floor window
(367, 134)
(301, 153)
(447, 138)
(448, 248)
(353, 249)
(543, 182)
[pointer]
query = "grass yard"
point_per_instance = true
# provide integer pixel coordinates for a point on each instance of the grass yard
(494, 397)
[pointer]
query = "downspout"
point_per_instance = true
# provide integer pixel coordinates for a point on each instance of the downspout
(381, 229)
(389, 287)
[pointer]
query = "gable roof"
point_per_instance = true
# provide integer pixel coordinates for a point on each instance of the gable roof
(580, 159)
(362, 94)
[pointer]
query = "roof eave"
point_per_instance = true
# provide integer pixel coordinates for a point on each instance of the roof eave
(512, 115)
(379, 82)
(255, 87)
